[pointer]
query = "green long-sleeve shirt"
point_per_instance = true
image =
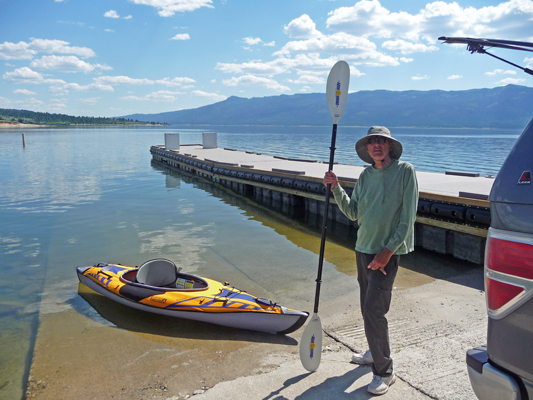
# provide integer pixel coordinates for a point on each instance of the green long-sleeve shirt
(384, 203)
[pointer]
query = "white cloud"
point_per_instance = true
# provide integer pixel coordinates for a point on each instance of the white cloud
(128, 17)
(32, 101)
(212, 96)
(62, 64)
(358, 50)
(302, 27)
(252, 80)
(368, 18)
(59, 46)
(25, 92)
(181, 36)
(103, 67)
(510, 81)
(56, 106)
(251, 41)
(126, 80)
(500, 71)
(26, 51)
(67, 87)
(303, 64)
(122, 80)
(406, 60)
(16, 51)
(255, 67)
(511, 19)
(178, 81)
(167, 8)
(419, 78)
(453, 77)
(162, 95)
(91, 100)
(308, 80)
(27, 75)
(111, 14)
(407, 47)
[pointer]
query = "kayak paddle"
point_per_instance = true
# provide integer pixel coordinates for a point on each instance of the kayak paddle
(336, 95)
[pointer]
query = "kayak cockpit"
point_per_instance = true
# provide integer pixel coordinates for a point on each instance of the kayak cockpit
(162, 273)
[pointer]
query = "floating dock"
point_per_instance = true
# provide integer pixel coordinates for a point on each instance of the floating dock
(453, 209)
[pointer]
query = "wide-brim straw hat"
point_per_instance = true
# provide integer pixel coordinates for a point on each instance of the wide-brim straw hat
(395, 152)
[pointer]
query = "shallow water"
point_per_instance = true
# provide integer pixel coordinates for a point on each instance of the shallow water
(86, 195)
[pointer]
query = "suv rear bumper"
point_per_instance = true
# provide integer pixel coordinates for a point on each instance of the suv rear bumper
(488, 381)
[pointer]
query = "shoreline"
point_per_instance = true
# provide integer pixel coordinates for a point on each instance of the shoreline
(19, 125)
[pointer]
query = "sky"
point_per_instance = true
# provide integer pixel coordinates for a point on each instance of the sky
(109, 58)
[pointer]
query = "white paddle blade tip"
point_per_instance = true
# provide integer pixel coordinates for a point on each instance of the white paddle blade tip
(337, 89)
(311, 344)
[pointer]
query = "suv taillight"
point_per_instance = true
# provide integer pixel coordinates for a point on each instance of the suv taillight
(508, 257)
(508, 263)
(500, 293)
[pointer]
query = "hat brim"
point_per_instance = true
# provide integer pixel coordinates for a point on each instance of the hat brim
(362, 152)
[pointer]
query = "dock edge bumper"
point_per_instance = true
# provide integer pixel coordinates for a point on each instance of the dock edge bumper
(487, 381)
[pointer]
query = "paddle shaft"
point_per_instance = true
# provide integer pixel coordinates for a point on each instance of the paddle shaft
(325, 219)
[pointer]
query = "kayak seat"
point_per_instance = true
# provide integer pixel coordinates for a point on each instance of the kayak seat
(159, 272)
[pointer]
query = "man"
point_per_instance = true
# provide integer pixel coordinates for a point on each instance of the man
(384, 202)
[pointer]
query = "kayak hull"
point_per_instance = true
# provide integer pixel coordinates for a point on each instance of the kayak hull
(211, 302)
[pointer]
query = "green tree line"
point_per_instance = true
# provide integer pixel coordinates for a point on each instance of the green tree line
(32, 117)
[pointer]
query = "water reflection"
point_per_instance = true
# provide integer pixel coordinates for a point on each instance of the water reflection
(416, 269)
(153, 326)
(183, 243)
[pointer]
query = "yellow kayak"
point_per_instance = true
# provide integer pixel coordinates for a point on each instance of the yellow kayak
(159, 287)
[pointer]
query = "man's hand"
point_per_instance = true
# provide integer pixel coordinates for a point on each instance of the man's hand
(331, 178)
(380, 260)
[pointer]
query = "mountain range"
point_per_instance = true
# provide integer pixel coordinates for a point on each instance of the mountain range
(505, 107)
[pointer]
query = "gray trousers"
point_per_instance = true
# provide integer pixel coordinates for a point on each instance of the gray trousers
(375, 296)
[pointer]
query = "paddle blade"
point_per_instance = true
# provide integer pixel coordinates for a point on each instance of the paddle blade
(337, 89)
(311, 344)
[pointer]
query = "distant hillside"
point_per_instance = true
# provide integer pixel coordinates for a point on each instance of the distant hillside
(509, 106)
(32, 117)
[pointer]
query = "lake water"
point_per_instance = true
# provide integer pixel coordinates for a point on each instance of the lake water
(86, 195)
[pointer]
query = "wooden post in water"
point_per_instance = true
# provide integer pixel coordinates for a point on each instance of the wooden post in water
(23, 141)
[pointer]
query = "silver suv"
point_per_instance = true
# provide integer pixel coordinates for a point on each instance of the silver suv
(503, 369)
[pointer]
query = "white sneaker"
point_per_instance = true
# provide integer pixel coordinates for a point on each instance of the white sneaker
(364, 358)
(380, 384)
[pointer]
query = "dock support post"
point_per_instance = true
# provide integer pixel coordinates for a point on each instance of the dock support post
(172, 141)
(209, 140)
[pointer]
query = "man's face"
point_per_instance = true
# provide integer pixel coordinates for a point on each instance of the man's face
(377, 150)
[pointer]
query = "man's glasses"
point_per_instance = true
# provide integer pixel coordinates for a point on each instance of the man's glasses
(376, 139)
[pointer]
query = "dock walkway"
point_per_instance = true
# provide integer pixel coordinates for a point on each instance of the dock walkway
(456, 184)
(453, 209)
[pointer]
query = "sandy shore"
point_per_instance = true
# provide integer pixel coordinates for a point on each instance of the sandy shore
(13, 125)
(122, 353)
